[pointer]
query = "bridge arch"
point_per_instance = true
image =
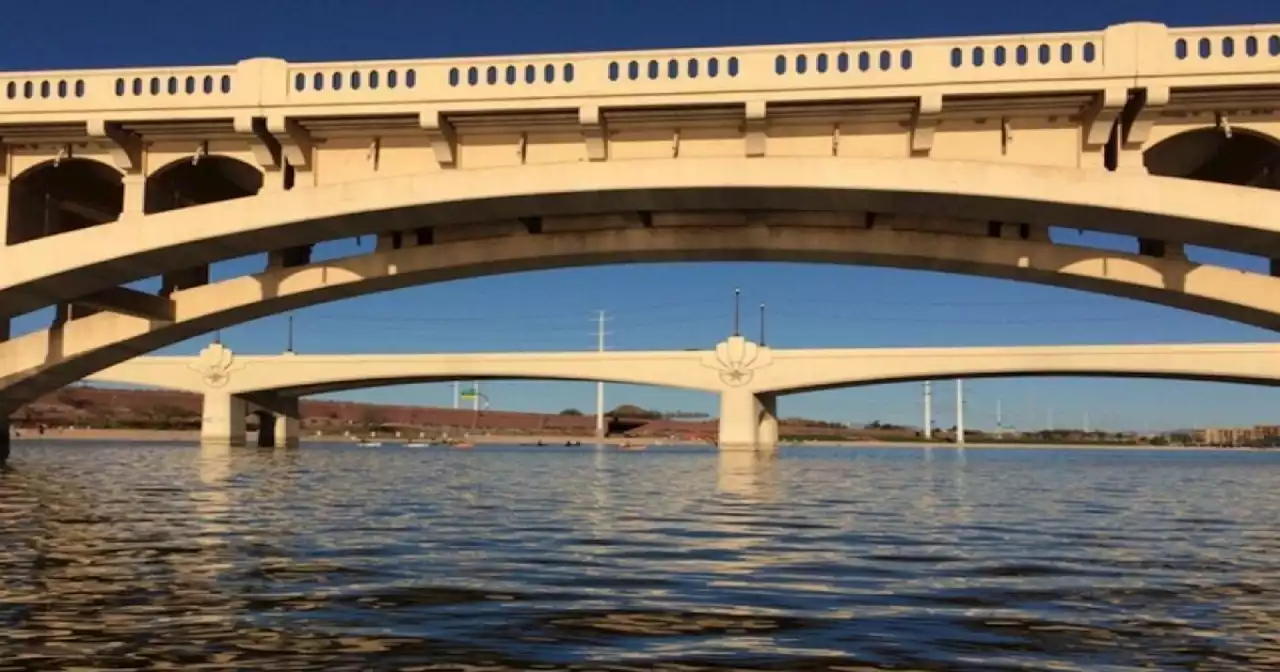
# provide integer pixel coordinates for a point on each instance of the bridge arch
(61, 196)
(451, 203)
(42, 361)
(1242, 156)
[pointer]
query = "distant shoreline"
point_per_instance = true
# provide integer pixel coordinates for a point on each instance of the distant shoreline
(552, 440)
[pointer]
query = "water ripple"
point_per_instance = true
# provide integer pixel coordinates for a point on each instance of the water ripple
(337, 558)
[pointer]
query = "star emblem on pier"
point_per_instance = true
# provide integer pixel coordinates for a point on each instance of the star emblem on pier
(215, 364)
(737, 360)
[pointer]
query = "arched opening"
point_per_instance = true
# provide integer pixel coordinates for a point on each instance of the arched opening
(197, 181)
(200, 180)
(61, 196)
(1220, 155)
(1238, 156)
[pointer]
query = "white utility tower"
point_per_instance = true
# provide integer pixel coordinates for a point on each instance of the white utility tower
(959, 411)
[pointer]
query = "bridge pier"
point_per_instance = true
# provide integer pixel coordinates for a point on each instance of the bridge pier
(288, 424)
(748, 421)
(266, 428)
(222, 423)
(767, 429)
(279, 422)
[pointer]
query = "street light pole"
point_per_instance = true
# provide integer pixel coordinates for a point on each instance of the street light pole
(762, 324)
(737, 299)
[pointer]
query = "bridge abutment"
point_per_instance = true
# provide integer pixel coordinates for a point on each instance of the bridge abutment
(748, 421)
(222, 423)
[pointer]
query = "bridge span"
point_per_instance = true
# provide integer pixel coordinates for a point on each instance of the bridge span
(947, 154)
(747, 376)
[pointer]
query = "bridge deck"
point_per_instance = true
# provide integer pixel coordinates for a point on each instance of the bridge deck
(1185, 58)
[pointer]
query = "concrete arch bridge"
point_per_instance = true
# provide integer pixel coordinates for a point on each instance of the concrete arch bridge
(949, 154)
(747, 376)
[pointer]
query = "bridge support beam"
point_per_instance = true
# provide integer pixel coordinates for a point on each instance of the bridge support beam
(222, 423)
(748, 421)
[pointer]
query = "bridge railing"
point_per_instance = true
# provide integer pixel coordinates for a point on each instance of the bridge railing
(892, 68)
(1223, 50)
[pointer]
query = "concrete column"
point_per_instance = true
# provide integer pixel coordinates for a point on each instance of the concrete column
(767, 427)
(748, 421)
(288, 424)
(266, 429)
(135, 195)
(223, 420)
(739, 412)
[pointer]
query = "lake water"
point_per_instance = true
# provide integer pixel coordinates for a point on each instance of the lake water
(120, 556)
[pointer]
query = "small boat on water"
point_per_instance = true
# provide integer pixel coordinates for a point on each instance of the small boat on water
(369, 444)
(416, 444)
(462, 445)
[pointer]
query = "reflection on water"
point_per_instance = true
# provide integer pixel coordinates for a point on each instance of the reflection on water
(331, 557)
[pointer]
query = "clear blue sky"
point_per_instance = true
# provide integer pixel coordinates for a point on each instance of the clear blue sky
(674, 306)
